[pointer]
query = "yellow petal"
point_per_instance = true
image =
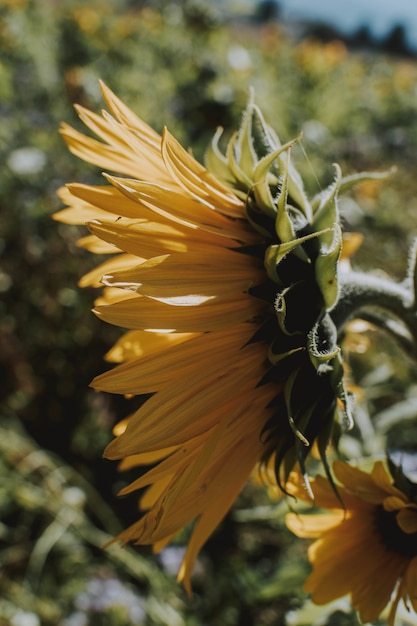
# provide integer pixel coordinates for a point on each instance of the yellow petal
(109, 200)
(178, 205)
(200, 490)
(393, 503)
(78, 211)
(142, 313)
(114, 159)
(126, 116)
(111, 295)
(407, 520)
(314, 525)
(113, 265)
(148, 239)
(374, 591)
(237, 464)
(172, 465)
(324, 495)
(384, 481)
(147, 458)
(195, 273)
(360, 483)
(152, 373)
(145, 156)
(178, 413)
(139, 343)
(195, 179)
(97, 246)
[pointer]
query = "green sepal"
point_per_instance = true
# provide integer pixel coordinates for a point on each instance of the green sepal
(285, 464)
(259, 221)
(216, 162)
(272, 143)
(338, 385)
(326, 268)
(296, 187)
(274, 358)
(302, 446)
(322, 345)
(323, 439)
(283, 224)
(285, 461)
(244, 150)
(345, 398)
(262, 179)
(327, 214)
(330, 362)
(275, 253)
(289, 384)
(241, 177)
(281, 309)
(348, 182)
(265, 139)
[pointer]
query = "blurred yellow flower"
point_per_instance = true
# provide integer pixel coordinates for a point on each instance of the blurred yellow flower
(318, 58)
(366, 545)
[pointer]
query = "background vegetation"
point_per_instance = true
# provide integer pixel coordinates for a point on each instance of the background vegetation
(179, 64)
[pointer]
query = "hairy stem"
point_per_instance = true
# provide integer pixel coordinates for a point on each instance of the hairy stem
(361, 292)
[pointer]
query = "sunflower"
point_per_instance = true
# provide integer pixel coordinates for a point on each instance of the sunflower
(366, 544)
(225, 277)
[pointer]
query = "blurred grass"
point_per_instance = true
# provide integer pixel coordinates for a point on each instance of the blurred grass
(182, 65)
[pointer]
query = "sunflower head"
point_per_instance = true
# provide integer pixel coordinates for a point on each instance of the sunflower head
(366, 541)
(226, 278)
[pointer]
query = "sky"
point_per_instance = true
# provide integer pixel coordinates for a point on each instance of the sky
(379, 15)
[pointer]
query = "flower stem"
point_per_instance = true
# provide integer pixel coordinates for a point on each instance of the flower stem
(373, 298)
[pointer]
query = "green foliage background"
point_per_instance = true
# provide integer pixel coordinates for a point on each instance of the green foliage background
(181, 65)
